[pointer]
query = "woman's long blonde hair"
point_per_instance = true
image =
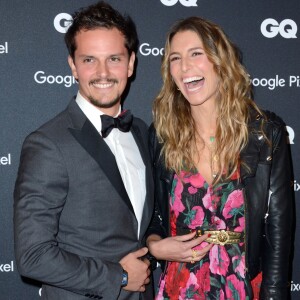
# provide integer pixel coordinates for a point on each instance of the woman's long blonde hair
(173, 121)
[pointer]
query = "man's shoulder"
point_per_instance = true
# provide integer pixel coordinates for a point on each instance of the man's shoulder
(57, 122)
(56, 125)
(140, 123)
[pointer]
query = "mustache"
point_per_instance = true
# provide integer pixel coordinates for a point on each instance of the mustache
(103, 80)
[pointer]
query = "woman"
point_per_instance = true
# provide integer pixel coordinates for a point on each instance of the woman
(222, 174)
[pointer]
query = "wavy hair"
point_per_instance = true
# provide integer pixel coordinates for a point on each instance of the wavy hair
(173, 121)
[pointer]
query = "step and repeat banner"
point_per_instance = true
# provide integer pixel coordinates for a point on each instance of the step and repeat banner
(36, 83)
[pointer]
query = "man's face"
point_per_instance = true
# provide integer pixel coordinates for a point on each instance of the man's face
(102, 66)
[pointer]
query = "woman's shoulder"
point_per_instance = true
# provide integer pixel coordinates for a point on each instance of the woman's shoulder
(265, 118)
(273, 118)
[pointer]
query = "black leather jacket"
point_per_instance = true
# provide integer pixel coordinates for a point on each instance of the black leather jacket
(268, 202)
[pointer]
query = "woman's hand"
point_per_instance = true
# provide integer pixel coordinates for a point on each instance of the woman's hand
(178, 248)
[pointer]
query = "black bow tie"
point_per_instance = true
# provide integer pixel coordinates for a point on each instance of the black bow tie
(122, 122)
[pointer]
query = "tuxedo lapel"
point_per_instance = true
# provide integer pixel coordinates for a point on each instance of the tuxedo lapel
(148, 205)
(88, 137)
(137, 135)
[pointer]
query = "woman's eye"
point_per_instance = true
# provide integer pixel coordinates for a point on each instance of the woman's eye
(196, 53)
(173, 58)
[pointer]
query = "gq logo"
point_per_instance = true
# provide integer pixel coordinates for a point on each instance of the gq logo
(62, 22)
(291, 134)
(287, 28)
(186, 3)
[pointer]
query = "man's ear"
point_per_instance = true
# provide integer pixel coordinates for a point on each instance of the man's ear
(72, 66)
(131, 64)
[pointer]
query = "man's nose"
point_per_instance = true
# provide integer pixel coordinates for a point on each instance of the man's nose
(102, 69)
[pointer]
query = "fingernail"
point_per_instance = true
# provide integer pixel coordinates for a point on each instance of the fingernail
(209, 235)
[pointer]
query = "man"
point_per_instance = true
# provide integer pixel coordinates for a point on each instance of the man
(83, 196)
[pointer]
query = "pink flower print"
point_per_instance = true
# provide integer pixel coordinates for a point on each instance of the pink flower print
(192, 190)
(219, 260)
(234, 204)
(196, 180)
(242, 225)
(201, 246)
(207, 199)
(210, 200)
(234, 288)
(173, 223)
(176, 277)
(178, 188)
(182, 175)
(204, 283)
(217, 223)
(222, 296)
(160, 295)
(190, 290)
(239, 262)
(177, 206)
(197, 217)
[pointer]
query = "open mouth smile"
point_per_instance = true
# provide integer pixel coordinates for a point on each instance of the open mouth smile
(100, 84)
(193, 83)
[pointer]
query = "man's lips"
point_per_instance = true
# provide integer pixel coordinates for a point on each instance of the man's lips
(103, 84)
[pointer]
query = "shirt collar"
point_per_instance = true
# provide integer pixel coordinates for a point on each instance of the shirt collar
(91, 112)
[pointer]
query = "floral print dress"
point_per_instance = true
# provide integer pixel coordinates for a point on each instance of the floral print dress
(220, 274)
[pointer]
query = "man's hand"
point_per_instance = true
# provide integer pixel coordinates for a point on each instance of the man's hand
(137, 269)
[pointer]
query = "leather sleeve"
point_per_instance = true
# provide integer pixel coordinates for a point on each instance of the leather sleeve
(276, 253)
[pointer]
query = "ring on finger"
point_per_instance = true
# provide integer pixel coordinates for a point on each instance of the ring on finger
(194, 255)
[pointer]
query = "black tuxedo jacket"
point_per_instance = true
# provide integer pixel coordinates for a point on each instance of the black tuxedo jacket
(73, 220)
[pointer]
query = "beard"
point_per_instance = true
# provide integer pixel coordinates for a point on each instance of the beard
(99, 102)
(108, 104)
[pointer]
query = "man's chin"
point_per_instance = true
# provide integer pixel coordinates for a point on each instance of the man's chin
(105, 104)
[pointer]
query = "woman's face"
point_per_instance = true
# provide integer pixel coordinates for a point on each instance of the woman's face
(191, 70)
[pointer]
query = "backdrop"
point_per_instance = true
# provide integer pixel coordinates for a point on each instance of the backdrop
(36, 83)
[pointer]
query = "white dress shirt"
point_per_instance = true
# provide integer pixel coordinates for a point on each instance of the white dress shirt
(128, 158)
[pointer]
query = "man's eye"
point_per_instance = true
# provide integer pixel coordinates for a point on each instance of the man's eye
(88, 60)
(115, 59)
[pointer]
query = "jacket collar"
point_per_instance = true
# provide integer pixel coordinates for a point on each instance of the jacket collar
(149, 203)
(89, 138)
(250, 155)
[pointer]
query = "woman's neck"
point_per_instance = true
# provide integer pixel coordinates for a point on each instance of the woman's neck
(205, 122)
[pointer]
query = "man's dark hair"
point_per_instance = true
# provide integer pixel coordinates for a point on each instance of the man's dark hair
(101, 15)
